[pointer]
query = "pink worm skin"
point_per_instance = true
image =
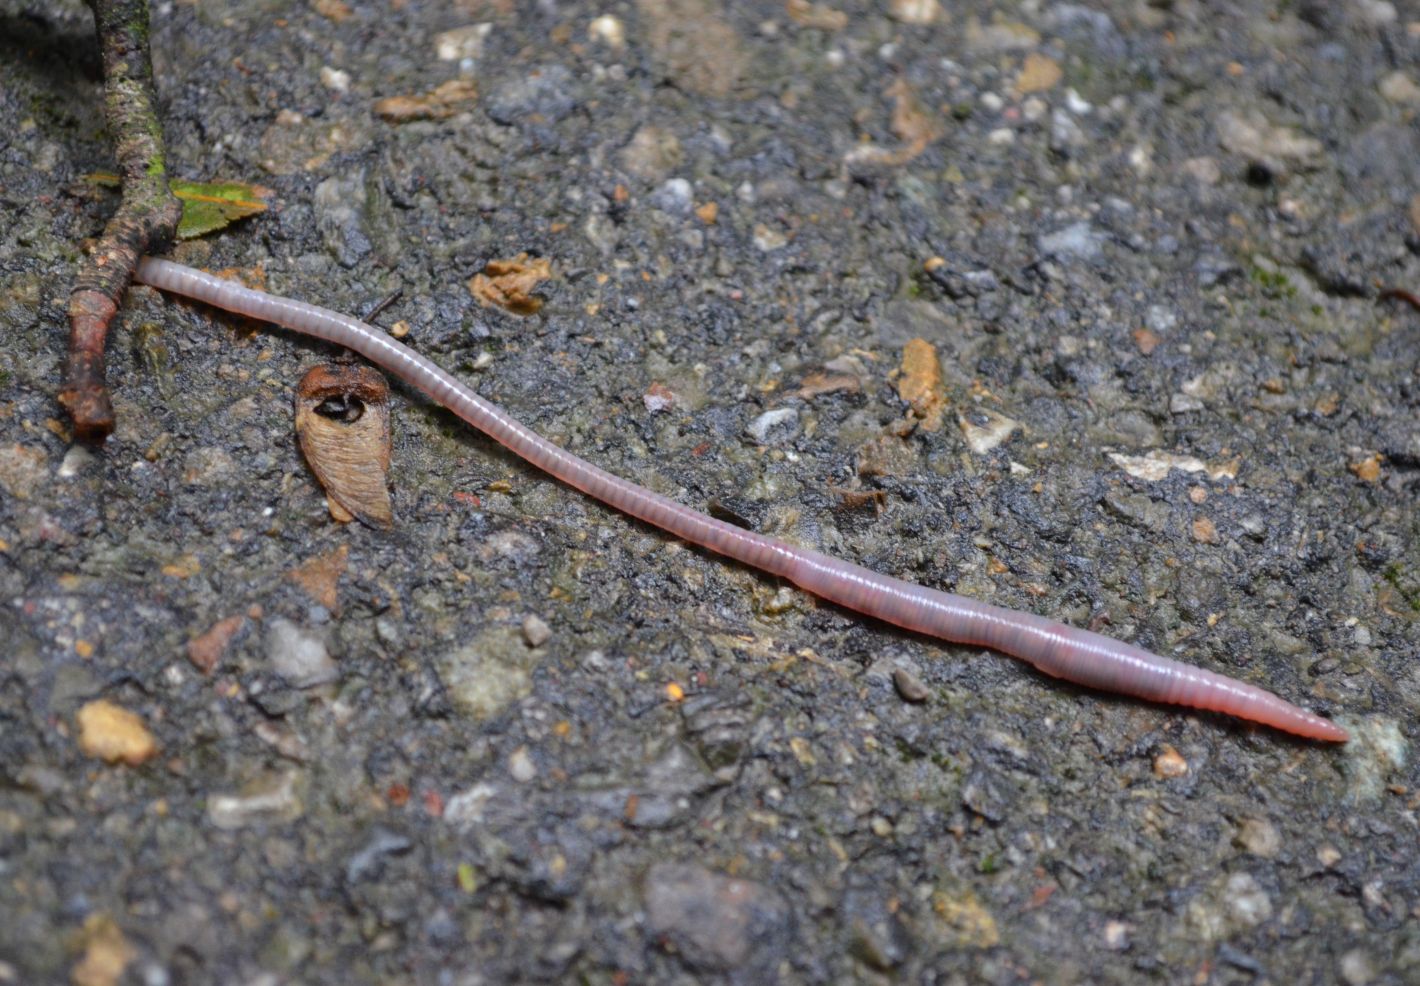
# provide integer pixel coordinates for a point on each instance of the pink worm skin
(1058, 650)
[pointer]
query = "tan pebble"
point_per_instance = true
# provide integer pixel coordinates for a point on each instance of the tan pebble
(1259, 837)
(1038, 74)
(1204, 531)
(909, 686)
(1368, 470)
(112, 733)
(535, 631)
(106, 953)
(1170, 763)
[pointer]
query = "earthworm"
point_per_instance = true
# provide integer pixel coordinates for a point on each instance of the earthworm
(1056, 649)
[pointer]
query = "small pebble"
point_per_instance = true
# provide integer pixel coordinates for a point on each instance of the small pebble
(718, 923)
(521, 766)
(461, 42)
(781, 421)
(106, 954)
(914, 11)
(1076, 103)
(909, 686)
(1356, 968)
(985, 429)
(298, 655)
(1248, 904)
(535, 631)
(334, 79)
(75, 460)
(1259, 837)
(113, 734)
(1204, 531)
(608, 30)
(1116, 935)
(1399, 88)
(22, 470)
(1076, 240)
(767, 240)
(674, 196)
(1170, 763)
(268, 800)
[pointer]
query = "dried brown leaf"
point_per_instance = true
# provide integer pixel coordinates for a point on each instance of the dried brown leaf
(509, 283)
(912, 123)
(827, 383)
(342, 421)
(439, 103)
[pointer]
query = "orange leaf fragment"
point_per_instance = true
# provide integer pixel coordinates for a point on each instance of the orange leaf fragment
(319, 576)
(920, 383)
(206, 650)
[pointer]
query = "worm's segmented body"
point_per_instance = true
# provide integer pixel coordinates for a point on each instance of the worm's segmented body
(1059, 650)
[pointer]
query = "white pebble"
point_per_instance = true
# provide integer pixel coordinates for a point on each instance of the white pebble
(608, 30)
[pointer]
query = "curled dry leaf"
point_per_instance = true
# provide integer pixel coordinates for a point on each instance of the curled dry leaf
(854, 499)
(913, 125)
(342, 421)
(509, 283)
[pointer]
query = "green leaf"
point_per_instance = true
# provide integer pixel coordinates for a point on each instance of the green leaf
(209, 206)
(206, 206)
(467, 877)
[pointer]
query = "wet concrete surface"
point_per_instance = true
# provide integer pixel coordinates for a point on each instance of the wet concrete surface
(518, 737)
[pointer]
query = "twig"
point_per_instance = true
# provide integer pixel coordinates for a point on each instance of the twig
(1400, 294)
(145, 221)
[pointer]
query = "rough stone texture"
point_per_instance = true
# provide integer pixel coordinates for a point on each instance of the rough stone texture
(1090, 262)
